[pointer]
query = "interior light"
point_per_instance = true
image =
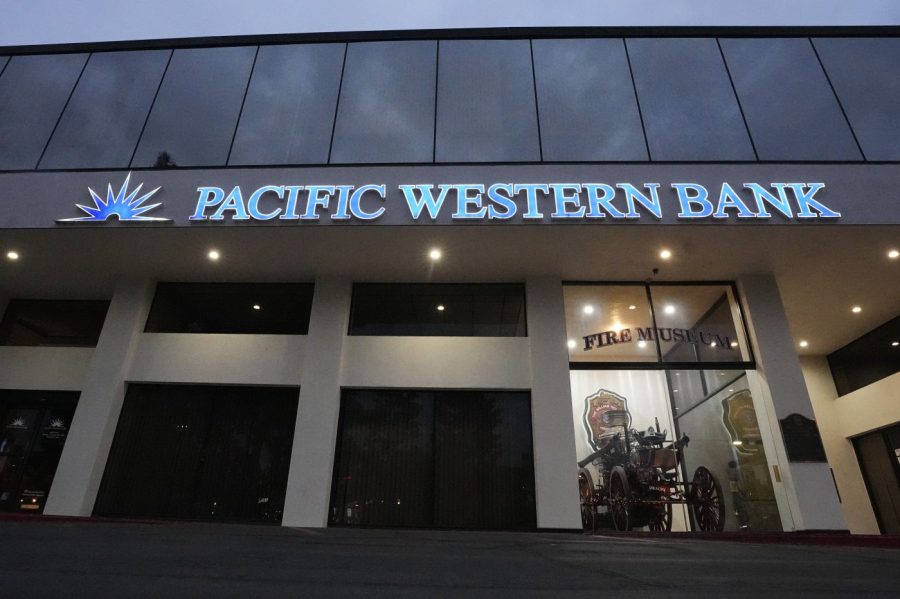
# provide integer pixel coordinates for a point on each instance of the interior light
(895, 343)
(642, 344)
(804, 343)
(435, 254)
(665, 254)
(734, 344)
(632, 307)
(856, 309)
(589, 309)
(737, 443)
(571, 344)
(12, 255)
(731, 390)
(257, 307)
(440, 307)
(894, 254)
(213, 255)
(674, 390)
(669, 309)
(713, 344)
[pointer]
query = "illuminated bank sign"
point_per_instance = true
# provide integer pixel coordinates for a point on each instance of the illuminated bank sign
(400, 203)
(507, 201)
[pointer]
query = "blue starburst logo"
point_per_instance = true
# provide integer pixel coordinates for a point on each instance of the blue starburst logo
(124, 205)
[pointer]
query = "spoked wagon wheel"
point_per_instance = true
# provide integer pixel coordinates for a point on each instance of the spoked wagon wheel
(620, 499)
(706, 501)
(661, 521)
(586, 493)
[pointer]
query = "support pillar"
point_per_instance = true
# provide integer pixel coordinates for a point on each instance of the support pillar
(808, 499)
(315, 432)
(84, 455)
(555, 462)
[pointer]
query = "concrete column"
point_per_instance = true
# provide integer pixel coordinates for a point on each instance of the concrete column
(83, 460)
(315, 432)
(555, 462)
(807, 497)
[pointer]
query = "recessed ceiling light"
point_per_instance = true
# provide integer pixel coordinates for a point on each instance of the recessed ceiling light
(213, 255)
(895, 343)
(669, 309)
(894, 254)
(435, 254)
(257, 307)
(589, 309)
(632, 307)
(440, 307)
(571, 344)
(12, 255)
(856, 309)
(665, 254)
(804, 343)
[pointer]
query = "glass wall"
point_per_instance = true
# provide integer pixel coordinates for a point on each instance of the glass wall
(477, 100)
(71, 323)
(665, 441)
(443, 459)
(200, 452)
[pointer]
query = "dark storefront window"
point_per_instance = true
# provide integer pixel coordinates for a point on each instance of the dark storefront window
(53, 322)
(865, 73)
(289, 111)
(586, 101)
(486, 108)
(103, 120)
(33, 91)
(200, 453)
(686, 98)
(445, 459)
(249, 308)
(791, 110)
(879, 460)
(449, 310)
(386, 109)
(872, 357)
(193, 119)
(33, 429)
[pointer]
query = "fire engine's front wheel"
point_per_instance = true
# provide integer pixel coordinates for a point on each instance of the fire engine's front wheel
(706, 501)
(620, 499)
(586, 491)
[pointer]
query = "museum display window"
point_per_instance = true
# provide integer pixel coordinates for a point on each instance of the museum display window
(437, 459)
(60, 323)
(33, 429)
(667, 434)
(200, 452)
(431, 309)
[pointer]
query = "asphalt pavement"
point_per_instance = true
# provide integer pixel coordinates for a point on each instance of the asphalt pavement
(72, 558)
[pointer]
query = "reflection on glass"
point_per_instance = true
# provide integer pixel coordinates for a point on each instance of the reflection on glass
(790, 108)
(485, 108)
(193, 119)
(33, 92)
(586, 101)
(698, 323)
(688, 104)
(103, 120)
(386, 109)
(609, 323)
(434, 458)
(288, 114)
(865, 73)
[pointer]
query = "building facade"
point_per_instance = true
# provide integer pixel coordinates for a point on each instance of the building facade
(537, 279)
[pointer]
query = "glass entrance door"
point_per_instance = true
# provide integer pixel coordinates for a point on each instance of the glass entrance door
(35, 425)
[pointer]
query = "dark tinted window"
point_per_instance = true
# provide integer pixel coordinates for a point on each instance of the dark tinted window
(250, 308)
(688, 104)
(486, 110)
(454, 459)
(193, 120)
(201, 453)
(52, 322)
(870, 358)
(586, 101)
(33, 92)
(790, 108)
(386, 110)
(865, 73)
(3, 61)
(289, 111)
(102, 123)
(438, 310)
